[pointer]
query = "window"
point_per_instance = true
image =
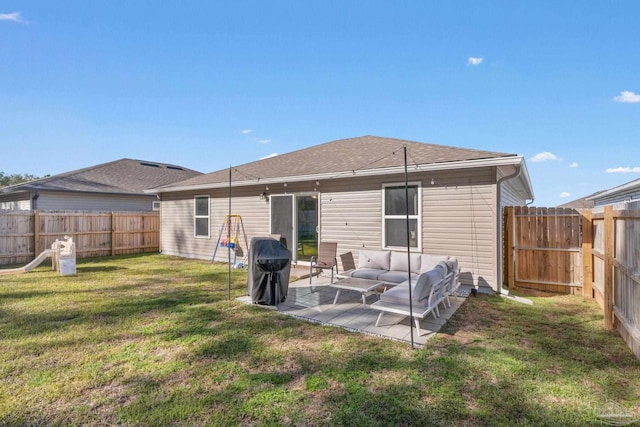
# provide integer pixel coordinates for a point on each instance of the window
(155, 205)
(394, 221)
(201, 215)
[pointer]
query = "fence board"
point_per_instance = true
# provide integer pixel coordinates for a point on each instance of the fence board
(25, 234)
(547, 249)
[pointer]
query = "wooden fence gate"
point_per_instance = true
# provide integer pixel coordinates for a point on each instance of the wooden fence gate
(543, 249)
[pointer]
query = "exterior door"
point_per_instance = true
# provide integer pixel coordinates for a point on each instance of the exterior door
(306, 227)
(282, 218)
(295, 218)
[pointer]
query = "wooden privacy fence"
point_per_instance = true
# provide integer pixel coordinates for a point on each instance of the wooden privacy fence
(24, 234)
(615, 256)
(543, 249)
(595, 253)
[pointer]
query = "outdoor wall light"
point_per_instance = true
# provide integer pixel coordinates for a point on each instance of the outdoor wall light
(264, 196)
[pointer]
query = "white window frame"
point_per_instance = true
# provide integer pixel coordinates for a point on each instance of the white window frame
(196, 216)
(417, 217)
(155, 205)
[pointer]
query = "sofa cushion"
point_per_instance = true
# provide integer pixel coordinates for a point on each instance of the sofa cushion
(421, 286)
(374, 259)
(425, 282)
(395, 276)
(429, 262)
(398, 262)
(367, 273)
(400, 295)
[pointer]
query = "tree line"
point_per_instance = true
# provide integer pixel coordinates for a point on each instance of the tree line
(15, 178)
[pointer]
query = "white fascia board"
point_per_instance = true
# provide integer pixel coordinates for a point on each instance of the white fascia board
(428, 167)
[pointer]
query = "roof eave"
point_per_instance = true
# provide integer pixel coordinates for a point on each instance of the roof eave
(427, 167)
(615, 190)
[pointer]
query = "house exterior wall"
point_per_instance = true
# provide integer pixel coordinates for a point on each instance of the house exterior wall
(509, 195)
(15, 202)
(458, 217)
(459, 220)
(622, 196)
(57, 201)
(177, 234)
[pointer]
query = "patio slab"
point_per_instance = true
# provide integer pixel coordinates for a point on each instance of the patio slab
(314, 303)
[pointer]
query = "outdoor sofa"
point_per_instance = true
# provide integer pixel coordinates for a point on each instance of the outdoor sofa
(433, 279)
(391, 267)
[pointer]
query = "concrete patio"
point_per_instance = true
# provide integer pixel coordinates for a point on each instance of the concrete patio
(314, 303)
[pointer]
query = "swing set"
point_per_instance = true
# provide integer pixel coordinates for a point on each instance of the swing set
(229, 236)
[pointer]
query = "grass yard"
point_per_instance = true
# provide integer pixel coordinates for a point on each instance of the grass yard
(153, 340)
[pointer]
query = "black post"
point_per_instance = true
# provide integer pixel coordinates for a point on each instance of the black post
(406, 201)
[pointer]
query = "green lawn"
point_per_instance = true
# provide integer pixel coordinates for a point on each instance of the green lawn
(153, 340)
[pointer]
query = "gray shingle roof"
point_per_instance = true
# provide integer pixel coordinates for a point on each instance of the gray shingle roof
(344, 155)
(125, 176)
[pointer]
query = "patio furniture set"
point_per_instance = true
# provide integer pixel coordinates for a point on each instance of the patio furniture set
(434, 278)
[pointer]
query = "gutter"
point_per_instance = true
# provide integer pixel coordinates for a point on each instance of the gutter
(428, 167)
(514, 175)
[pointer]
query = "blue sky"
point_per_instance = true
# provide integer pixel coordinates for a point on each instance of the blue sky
(211, 84)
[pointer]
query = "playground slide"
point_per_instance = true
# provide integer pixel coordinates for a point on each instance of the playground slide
(33, 264)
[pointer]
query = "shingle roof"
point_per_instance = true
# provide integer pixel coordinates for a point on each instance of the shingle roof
(344, 155)
(125, 176)
(581, 203)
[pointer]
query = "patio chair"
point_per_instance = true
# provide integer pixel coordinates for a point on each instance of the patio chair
(348, 265)
(326, 259)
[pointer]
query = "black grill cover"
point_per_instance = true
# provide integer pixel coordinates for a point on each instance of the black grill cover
(269, 268)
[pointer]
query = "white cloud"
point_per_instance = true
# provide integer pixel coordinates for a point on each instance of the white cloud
(544, 156)
(474, 60)
(269, 156)
(628, 97)
(573, 165)
(564, 194)
(246, 131)
(624, 170)
(14, 16)
(263, 141)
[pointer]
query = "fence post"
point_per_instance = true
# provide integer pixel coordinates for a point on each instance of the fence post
(36, 233)
(587, 254)
(609, 230)
(113, 233)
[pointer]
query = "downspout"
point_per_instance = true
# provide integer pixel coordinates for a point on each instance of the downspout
(499, 229)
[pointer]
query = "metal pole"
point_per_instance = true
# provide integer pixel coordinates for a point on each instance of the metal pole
(406, 201)
(229, 240)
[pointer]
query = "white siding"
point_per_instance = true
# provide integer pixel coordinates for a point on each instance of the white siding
(458, 217)
(52, 201)
(177, 218)
(629, 195)
(18, 205)
(351, 214)
(509, 195)
(460, 220)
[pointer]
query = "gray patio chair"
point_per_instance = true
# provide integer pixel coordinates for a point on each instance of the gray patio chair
(326, 259)
(348, 264)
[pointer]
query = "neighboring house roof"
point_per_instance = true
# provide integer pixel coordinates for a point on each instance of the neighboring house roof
(628, 190)
(364, 155)
(585, 202)
(125, 176)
